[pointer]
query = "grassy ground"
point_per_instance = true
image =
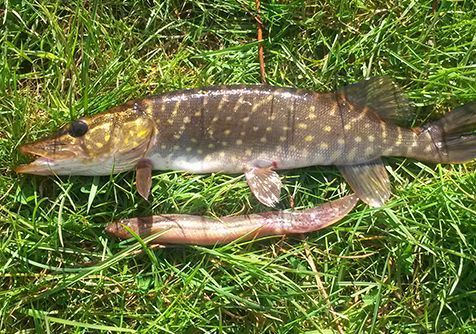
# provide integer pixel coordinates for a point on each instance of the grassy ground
(409, 267)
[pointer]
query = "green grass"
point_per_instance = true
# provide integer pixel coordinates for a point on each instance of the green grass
(406, 268)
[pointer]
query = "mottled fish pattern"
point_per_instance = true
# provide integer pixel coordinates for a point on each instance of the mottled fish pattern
(257, 130)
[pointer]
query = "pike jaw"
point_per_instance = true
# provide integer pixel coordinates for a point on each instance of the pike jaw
(107, 143)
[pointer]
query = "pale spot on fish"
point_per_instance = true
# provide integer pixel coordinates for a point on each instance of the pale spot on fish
(352, 154)
(242, 133)
(239, 142)
(268, 129)
(357, 139)
(347, 126)
(324, 146)
(188, 149)
(312, 116)
(327, 128)
(309, 138)
(197, 114)
(222, 102)
(259, 104)
(263, 139)
(176, 147)
(149, 109)
(176, 107)
(399, 138)
(371, 138)
(369, 150)
(340, 141)
(255, 128)
(211, 145)
(163, 146)
(224, 143)
(193, 140)
(246, 119)
(302, 125)
(170, 121)
(238, 104)
(228, 118)
(177, 136)
(186, 119)
(215, 118)
(248, 152)
(428, 148)
(227, 132)
(282, 138)
(222, 154)
(199, 151)
(387, 151)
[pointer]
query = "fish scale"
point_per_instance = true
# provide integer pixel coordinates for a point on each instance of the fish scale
(257, 130)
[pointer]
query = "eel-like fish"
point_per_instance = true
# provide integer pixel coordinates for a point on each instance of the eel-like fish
(257, 130)
(200, 230)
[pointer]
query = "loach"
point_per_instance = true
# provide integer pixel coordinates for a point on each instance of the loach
(199, 230)
(257, 130)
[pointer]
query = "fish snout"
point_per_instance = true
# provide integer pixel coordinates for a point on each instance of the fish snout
(112, 229)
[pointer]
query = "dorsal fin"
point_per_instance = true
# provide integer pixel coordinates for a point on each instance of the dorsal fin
(384, 97)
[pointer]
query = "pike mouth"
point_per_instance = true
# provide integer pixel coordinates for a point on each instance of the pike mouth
(45, 161)
(40, 166)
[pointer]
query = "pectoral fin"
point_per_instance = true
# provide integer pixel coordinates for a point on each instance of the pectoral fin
(369, 181)
(265, 184)
(144, 177)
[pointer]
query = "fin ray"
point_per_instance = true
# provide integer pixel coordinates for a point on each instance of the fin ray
(144, 177)
(369, 181)
(265, 184)
(384, 97)
(454, 135)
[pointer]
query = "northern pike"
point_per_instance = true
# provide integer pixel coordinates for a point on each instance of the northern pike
(200, 230)
(257, 130)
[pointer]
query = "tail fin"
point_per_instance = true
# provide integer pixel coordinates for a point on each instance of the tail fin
(455, 134)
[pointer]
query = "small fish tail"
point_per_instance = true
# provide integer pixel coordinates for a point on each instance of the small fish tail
(454, 135)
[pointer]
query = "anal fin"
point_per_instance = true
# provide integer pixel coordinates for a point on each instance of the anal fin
(369, 181)
(265, 184)
(144, 177)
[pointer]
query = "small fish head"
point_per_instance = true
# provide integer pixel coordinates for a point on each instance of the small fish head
(96, 145)
(139, 225)
(118, 230)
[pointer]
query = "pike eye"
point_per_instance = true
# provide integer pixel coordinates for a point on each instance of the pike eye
(78, 129)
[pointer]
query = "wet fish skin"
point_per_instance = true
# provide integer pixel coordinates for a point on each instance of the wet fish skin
(200, 230)
(256, 130)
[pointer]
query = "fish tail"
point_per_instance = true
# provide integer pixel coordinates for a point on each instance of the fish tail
(454, 135)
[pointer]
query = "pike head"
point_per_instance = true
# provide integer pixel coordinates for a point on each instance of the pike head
(98, 145)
